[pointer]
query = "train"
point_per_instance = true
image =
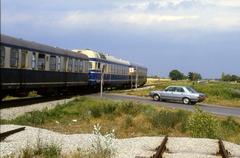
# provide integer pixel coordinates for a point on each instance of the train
(27, 66)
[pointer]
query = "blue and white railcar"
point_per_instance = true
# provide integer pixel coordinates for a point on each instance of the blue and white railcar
(116, 71)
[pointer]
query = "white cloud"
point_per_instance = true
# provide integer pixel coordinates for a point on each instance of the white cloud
(159, 15)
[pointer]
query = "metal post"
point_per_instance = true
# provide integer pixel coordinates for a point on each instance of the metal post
(102, 78)
(136, 82)
(131, 82)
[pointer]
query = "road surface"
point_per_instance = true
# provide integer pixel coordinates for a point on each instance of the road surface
(214, 109)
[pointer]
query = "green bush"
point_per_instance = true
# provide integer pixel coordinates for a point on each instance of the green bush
(130, 108)
(109, 108)
(230, 126)
(96, 110)
(202, 125)
(183, 118)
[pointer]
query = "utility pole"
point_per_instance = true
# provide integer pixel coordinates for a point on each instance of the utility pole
(102, 80)
(136, 82)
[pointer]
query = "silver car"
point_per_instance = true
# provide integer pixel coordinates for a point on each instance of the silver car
(185, 94)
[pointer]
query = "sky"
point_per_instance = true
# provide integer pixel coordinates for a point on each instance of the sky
(189, 35)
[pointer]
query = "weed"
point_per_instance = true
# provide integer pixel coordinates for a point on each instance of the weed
(128, 122)
(130, 108)
(42, 150)
(203, 125)
(165, 119)
(102, 145)
(230, 126)
(32, 118)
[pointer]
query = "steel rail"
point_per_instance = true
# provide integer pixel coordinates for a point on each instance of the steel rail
(222, 149)
(8, 133)
(161, 148)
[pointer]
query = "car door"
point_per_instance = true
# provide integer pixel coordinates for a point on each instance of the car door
(178, 94)
(168, 93)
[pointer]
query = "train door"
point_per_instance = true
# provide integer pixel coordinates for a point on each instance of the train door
(23, 67)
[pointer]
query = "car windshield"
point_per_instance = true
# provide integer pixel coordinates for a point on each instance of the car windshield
(190, 89)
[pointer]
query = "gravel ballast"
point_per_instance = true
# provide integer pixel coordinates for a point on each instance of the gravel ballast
(12, 113)
(124, 148)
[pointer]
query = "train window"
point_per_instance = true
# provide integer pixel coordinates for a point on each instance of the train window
(113, 69)
(64, 66)
(14, 57)
(109, 68)
(98, 65)
(33, 60)
(80, 66)
(41, 62)
(70, 64)
(58, 63)
(24, 59)
(90, 65)
(83, 66)
(106, 68)
(117, 69)
(2, 56)
(53, 63)
(75, 65)
(86, 66)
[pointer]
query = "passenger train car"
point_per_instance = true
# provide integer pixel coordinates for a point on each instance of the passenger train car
(27, 66)
(115, 70)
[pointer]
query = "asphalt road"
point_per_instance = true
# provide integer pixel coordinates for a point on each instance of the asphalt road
(214, 109)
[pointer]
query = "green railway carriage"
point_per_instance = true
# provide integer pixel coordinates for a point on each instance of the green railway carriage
(27, 66)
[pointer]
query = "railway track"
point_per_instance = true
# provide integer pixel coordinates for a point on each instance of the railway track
(29, 101)
(10, 132)
(162, 148)
(40, 99)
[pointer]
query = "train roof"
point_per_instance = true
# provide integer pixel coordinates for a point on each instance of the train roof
(137, 65)
(16, 42)
(102, 56)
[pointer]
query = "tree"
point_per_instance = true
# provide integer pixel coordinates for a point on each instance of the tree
(193, 76)
(229, 77)
(176, 75)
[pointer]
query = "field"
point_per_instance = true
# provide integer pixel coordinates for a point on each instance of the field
(220, 93)
(130, 119)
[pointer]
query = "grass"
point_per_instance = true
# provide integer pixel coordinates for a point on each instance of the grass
(220, 93)
(41, 150)
(130, 119)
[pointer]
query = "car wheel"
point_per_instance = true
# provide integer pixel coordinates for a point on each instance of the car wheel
(156, 97)
(186, 100)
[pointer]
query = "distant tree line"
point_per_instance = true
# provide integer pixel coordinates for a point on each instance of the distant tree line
(228, 77)
(177, 75)
(194, 76)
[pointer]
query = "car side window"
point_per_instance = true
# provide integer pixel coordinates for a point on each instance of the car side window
(179, 89)
(170, 89)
